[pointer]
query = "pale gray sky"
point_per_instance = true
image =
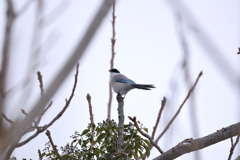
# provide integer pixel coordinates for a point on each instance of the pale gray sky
(148, 50)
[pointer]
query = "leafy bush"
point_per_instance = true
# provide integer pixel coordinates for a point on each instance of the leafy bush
(101, 142)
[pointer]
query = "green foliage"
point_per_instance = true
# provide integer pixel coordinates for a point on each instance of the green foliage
(101, 143)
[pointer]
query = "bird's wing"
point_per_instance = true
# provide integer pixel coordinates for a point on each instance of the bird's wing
(123, 79)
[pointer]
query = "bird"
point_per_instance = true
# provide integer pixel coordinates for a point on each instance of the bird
(122, 85)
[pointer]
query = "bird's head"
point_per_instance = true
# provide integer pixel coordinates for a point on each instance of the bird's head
(114, 70)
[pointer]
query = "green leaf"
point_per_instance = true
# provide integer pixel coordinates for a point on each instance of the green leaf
(147, 142)
(85, 132)
(100, 137)
(147, 150)
(146, 129)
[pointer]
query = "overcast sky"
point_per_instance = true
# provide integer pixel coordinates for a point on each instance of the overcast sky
(148, 50)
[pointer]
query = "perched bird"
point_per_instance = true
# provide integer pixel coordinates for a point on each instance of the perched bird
(121, 84)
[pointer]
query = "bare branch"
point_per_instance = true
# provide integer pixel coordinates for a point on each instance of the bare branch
(40, 82)
(144, 134)
(233, 147)
(159, 116)
(190, 145)
(113, 40)
(42, 129)
(90, 108)
(17, 131)
(10, 16)
(53, 145)
(179, 109)
(24, 112)
(7, 119)
(39, 154)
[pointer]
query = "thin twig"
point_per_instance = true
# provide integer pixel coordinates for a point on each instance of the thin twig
(39, 154)
(24, 112)
(43, 112)
(233, 147)
(113, 40)
(91, 118)
(144, 134)
(53, 145)
(179, 109)
(159, 116)
(42, 129)
(7, 119)
(90, 108)
(40, 83)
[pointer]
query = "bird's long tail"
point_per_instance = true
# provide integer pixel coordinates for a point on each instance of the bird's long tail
(144, 86)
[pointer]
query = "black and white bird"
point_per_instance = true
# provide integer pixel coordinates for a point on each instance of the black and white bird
(122, 85)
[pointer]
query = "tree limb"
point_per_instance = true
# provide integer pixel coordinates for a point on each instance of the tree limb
(113, 40)
(191, 145)
(120, 121)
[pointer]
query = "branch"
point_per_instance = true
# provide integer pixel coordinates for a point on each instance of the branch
(17, 132)
(39, 154)
(40, 83)
(179, 109)
(90, 108)
(53, 145)
(159, 116)
(113, 40)
(144, 134)
(233, 146)
(7, 119)
(42, 129)
(200, 143)
(120, 121)
(10, 17)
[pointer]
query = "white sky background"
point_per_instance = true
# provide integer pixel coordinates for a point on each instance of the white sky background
(148, 50)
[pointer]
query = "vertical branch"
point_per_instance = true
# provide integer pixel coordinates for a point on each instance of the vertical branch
(91, 118)
(90, 108)
(113, 40)
(40, 83)
(10, 14)
(120, 120)
(39, 154)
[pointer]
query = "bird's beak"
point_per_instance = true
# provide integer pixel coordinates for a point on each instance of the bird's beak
(109, 70)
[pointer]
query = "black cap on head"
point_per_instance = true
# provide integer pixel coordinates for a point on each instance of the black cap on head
(114, 70)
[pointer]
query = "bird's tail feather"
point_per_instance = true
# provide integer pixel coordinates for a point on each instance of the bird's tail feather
(144, 86)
